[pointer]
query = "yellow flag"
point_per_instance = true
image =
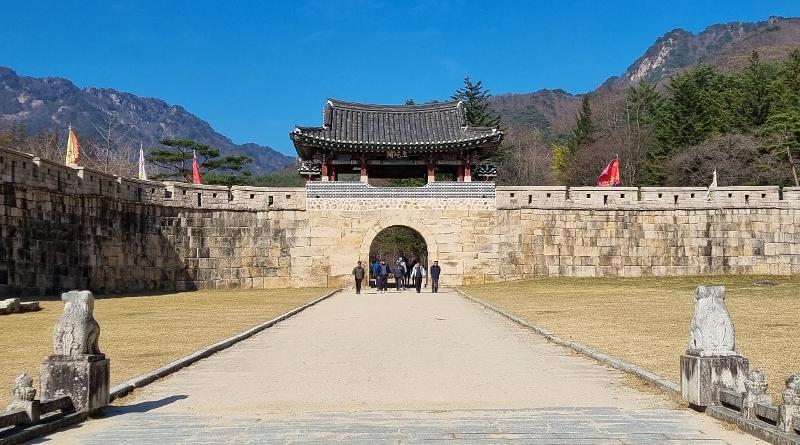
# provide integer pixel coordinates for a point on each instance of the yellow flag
(73, 148)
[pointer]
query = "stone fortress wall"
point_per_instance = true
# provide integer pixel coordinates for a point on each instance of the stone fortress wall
(65, 228)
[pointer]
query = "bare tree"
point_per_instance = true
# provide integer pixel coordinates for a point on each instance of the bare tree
(528, 162)
(47, 145)
(112, 150)
(738, 158)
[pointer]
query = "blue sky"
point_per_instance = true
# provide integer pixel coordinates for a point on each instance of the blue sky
(253, 69)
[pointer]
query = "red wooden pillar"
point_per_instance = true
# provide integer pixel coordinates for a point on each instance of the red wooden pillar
(364, 173)
(467, 172)
(460, 173)
(431, 172)
(325, 171)
(333, 172)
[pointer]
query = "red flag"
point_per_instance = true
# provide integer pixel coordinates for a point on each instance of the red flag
(610, 176)
(195, 169)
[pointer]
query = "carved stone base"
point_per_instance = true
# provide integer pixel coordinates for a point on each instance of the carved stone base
(786, 416)
(701, 377)
(31, 408)
(84, 378)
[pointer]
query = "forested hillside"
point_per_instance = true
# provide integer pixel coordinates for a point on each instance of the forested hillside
(691, 104)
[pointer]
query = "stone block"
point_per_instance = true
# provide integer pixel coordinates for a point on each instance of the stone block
(701, 377)
(9, 306)
(29, 306)
(84, 378)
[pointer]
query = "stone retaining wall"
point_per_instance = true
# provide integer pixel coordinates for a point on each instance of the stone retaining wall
(68, 228)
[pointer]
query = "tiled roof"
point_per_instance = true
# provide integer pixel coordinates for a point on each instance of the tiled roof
(429, 127)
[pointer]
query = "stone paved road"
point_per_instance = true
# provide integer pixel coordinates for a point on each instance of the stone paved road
(398, 368)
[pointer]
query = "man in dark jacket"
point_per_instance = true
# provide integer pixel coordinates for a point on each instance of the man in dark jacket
(383, 275)
(435, 272)
(398, 276)
(358, 274)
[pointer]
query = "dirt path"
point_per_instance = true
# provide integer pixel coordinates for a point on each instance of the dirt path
(396, 367)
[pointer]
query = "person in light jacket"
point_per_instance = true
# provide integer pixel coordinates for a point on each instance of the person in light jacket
(417, 274)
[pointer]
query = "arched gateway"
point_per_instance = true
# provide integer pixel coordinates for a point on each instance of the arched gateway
(382, 226)
(431, 147)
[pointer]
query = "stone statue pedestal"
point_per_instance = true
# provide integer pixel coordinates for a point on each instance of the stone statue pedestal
(702, 376)
(85, 378)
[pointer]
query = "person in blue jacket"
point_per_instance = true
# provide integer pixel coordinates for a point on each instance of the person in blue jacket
(374, 270)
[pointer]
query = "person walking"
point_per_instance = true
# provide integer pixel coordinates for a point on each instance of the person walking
(383, 275)
(358, 274)
(398, 276)
(417, 274)
(435, 272)
(374, 270)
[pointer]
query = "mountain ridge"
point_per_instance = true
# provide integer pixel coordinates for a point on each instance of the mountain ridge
(53, 103)
(725, 46)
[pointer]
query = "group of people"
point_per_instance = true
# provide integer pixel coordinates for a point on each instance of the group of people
(404, 274)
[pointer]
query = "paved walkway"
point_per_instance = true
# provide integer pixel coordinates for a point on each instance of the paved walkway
(398, 368)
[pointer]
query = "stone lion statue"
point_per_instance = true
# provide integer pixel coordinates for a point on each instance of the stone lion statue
(77, 331)
(712, 327)
(791, 394)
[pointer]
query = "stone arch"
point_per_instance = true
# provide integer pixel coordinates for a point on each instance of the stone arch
(416, 225)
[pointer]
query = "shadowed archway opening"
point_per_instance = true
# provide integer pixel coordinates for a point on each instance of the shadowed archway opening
(398, 241)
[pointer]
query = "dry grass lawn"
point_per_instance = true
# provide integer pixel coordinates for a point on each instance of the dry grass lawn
(141, 333)
(646, 320)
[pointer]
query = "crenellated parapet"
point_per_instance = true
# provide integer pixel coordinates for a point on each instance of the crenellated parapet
(646, 198)
(24, 169)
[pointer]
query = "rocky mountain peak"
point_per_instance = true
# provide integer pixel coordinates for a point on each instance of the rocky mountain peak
(53, 103)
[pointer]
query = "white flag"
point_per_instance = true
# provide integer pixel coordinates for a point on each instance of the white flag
(142, 172)
(713, 187)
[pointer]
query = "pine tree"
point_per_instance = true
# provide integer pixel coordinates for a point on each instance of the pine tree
(783, 124)
(790, 73)
(694, 108)
(479, 113)
(582, 133)
(476, 105)
(176, 159)
(643, 104)
(754, 93)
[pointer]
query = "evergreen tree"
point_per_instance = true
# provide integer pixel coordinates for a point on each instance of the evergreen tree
(476, 105)
(695, 108)
(783, 125)
(643, 104)
(783, 128)
(790, 73)
(754, 93)
(582, 133)
(559, 162)
(475, 100)
(177, 161)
